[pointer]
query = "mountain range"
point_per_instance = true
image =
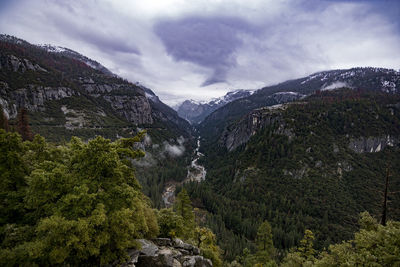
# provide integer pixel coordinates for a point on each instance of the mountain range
(196, 111)
(69, 94)
(309, 153)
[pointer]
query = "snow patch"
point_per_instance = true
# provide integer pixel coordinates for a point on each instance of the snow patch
(334, 86)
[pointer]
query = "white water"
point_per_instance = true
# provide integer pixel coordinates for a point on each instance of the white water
(196, 173)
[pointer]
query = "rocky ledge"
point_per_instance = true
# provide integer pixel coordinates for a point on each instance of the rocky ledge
(166, 252)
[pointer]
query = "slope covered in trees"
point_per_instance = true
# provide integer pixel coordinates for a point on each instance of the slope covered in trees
(80, 204)
(303, 172)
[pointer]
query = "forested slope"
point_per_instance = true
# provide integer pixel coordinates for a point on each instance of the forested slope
(306, 165)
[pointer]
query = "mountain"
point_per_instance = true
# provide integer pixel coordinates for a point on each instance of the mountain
(295, 154)
(312, 163)
(69, 94)
(373, 79)
(195, 112)
(75, 55)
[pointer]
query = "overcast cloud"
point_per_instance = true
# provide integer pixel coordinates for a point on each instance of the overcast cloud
(201, 49)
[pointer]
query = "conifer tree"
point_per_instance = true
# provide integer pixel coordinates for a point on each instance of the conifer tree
(264, 238)
(183, 207)
(23, 125)
(306, 245)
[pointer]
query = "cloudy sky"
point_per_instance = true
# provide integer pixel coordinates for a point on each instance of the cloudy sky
(203, 48)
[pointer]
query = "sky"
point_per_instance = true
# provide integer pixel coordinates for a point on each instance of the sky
(192, 49)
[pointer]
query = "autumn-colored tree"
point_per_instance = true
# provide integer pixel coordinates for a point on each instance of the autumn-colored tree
(23, 127)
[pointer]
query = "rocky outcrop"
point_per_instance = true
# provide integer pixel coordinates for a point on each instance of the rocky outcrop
(32, 98)
(372, 144)
(135, 109)
(129, 101)
(166, 252)
(240, 132)
(16, 64)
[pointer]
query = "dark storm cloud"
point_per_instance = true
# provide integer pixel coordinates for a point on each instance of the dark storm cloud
(200, 49)
(206, 41)
(103, 40)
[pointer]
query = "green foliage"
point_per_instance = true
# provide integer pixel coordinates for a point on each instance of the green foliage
(376, 245)
(299, 173)
(170, 223)
(183, 207)
(206, 240)
(76, 204)
(306, 245)
(264, 239)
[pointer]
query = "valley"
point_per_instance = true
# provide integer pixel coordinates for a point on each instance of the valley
(308, 154)
(195, 173)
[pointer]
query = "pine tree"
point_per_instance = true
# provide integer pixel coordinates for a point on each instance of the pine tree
(23, 125)
(183, 207)
(265, 247)
(264, 238)
(306, 245)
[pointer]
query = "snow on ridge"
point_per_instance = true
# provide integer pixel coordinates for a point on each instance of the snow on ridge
(287, 93)
(334, 85)
(52, 48)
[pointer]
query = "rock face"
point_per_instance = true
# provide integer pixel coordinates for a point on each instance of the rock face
(16, 64)
(166, 252)
(240, 132)
(372, 144)
(40, 76)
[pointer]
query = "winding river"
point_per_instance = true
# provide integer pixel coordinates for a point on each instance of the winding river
(196, 173)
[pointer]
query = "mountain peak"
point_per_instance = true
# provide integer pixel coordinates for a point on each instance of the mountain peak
(195, 111)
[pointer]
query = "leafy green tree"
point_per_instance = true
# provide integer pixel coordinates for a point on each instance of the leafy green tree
(183, 207)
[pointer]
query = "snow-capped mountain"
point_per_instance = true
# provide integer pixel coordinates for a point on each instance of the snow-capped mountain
(195, 111)
(75, 55)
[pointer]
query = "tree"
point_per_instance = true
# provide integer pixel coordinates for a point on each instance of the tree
(373, 245)
(183, 207)
(13, 169)
(83, 204)
(264, 239)
(207, 242)
(170, 223)
(304, 256)
(23, 127)
(3, 120)
(306, 245)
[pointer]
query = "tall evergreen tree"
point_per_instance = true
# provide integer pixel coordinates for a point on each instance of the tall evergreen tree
(264, 238)
(183, 207)
(23, 125)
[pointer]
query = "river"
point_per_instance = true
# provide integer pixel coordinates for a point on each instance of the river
(196, 173)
